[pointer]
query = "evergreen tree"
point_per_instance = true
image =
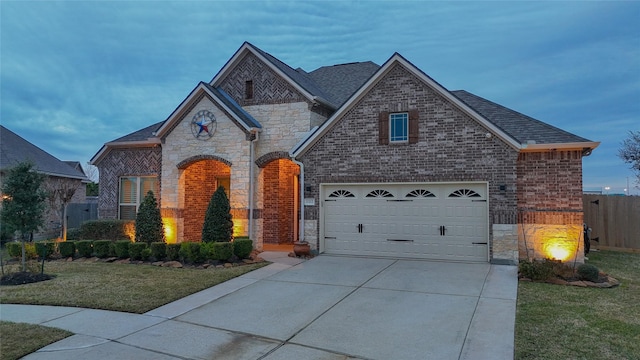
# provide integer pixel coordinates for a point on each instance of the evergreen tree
(149, 227)
(23, 202)
(217, 221)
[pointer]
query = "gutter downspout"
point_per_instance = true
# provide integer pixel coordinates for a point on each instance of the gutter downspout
(301, 186)
(254, 137)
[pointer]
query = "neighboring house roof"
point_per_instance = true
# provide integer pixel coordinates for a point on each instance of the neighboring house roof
(139, 135)
(496, 119)
(521, 127)
(342, 80)
(14, 150)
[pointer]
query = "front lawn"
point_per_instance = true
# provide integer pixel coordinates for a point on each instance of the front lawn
(568, 322)
(19, 340)
(119, 287)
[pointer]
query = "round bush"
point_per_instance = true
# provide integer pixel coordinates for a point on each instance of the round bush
(158, 250)
(242, 247)
(67, 248)
(84, 247)
(222, 251)
(135, 250)
(122, 248)
(145, 254)
(45, 248)
(536, 270)
(588, 272)
(101, 248)
(173, 252)
(14, 249)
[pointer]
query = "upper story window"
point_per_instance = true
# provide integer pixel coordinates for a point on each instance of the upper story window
(248, 90)
(132, 191)
(399, 128)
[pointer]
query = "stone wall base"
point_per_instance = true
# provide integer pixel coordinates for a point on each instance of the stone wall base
(549, 241)
(505, 244)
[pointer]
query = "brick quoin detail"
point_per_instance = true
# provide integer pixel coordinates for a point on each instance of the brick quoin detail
(278, 213)
(200, 184)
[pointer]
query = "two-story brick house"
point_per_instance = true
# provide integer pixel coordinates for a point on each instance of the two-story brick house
(355, 159)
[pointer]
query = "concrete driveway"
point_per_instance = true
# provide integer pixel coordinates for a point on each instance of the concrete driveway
(329, 307)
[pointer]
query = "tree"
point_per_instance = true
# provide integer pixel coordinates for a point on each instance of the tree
(218, 226)
(92, 174)
(149, 227)
(630, 152)
(60, 191)
(23, 202)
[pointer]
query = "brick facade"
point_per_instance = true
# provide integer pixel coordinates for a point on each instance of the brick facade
(451, 147)
(124, 162)
(201, 181)
(279, 202)
(550, 203)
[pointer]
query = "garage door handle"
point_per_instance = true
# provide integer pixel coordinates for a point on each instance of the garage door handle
(400, 240)
(443, 230)
(396, 200)
(479, 243)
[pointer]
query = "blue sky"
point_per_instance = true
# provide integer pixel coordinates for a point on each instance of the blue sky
(76, 74)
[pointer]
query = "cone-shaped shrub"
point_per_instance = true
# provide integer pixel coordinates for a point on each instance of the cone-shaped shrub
(218, 226)
(149, 227)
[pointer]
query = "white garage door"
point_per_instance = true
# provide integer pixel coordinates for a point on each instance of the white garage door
(417, 220)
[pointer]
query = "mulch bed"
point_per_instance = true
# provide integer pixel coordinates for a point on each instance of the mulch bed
(24, 277)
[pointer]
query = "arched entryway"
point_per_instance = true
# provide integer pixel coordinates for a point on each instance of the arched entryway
(201, 179)
(281, 202)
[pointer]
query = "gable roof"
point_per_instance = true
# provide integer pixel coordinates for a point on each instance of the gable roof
(521, 127)
(14, 150)
(342, 80)
(235, 112)
(297, 78)
(495, 118)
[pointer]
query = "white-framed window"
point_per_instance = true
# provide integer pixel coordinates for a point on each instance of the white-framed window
(132, 192)
(399, 127)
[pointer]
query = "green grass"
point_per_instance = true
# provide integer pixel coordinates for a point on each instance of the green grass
(19, 340)
(119, 287)
(566, 322)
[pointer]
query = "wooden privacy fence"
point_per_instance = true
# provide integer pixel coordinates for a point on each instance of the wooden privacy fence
(615, 220)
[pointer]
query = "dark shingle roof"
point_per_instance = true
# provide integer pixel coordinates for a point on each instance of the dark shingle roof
(341, 81)
(14, 150)
(519, 126)
(234, 106)
(140, 135)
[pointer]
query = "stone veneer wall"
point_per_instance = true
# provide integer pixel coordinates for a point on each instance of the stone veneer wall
(550, 204)
(124, 162)
(451, 147)
(228, 143)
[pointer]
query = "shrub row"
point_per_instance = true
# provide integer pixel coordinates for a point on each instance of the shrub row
(103, 230)
(191, 252)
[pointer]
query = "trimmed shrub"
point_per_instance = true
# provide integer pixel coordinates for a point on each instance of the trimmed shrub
(106, 229)
(173, 251)
(158, 250)
(30, 250)
(135, 250)
(122, 248)
(588, 272)
(101, 248)
(218, 226)
(242, 247)
(45, 249)
(67, 248)
(84, 247)
(14, 249)
(222, 251)
(190, 252)
(149, 227)
(537, 270)
(73, 234)
(145, 254)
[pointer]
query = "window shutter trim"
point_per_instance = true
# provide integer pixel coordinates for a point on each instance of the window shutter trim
(413, 126)
(383, 128)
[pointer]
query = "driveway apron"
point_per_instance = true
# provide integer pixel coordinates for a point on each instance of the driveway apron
(330, 307)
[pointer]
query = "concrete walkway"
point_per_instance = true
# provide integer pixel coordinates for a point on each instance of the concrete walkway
(329, 307)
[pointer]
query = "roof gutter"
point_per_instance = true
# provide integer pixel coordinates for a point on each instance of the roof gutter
(585, 147)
